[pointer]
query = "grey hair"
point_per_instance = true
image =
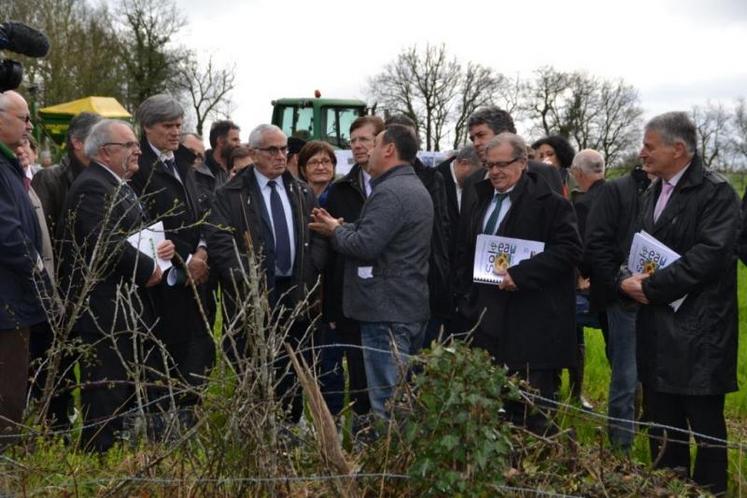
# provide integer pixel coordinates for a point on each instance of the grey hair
(190, 134)
(675, 127)
(100, 134)
(157, 109)
(589, 161)
(257, 135)
(469, 154)
(80, 126)
(517, 143)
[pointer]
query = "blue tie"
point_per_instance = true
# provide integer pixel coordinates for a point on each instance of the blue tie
(282, 240)
(490, 226)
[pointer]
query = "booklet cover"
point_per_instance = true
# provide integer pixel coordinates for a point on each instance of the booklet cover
(146, 241)
(494, 253)
(648, 255)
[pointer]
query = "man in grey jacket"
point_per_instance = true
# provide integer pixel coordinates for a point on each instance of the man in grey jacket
(386, 270)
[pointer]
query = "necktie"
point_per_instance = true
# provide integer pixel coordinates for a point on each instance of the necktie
(666, 193)
(26, 183)
(131, 197)
(171, 167)
(492, 223)
(282, 239)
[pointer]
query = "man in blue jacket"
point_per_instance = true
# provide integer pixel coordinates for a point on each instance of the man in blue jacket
(22, 274)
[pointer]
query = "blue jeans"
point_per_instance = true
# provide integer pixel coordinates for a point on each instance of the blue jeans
(383, 366)
(621, 355)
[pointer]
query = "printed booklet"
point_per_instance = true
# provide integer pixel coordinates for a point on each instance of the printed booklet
(648, 255)
(495, 254)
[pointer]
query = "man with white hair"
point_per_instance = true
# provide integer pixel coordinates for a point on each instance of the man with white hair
(264, 213)
(101, 210)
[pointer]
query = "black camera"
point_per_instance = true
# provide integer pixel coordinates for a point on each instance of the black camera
(22, 39)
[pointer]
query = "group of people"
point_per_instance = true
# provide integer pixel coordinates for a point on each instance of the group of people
(388, 251)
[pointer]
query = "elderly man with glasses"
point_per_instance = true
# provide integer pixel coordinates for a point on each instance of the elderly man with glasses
(101, 210)
(529, 321)
(261, 217)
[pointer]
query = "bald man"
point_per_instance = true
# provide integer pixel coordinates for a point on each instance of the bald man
(21, 270)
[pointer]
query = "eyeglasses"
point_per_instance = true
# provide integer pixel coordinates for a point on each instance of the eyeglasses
(502, 164)
(26, 118)
(128, 145)
(274, 151)
(319, 162)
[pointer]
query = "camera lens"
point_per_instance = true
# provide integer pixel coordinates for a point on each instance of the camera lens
(11, 74)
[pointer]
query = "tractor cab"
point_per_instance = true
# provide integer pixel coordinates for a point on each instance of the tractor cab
(318, 118)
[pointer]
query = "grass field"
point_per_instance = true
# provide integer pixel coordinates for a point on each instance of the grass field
(597, 377)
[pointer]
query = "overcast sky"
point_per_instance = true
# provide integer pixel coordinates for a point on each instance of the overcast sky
(676, 52)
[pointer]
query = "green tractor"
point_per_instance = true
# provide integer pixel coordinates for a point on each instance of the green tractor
(318, 118)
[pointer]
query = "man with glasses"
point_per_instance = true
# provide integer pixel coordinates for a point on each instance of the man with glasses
(100, 212)
(21, 270)
(529, 318)
(166, 184)
(261, 218)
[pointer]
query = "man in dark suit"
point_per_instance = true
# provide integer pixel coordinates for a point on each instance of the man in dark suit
(687, 359)
(455, 171)
(166, 185)
(101, 210)
(529, 322)
(261, 217)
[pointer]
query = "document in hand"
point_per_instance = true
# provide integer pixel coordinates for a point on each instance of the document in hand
(648, 255)
(146, 241)
(495, 254)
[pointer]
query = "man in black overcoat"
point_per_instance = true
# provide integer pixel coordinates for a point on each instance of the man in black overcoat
(529, 319)
(101, 211)
(166, 185)
(687, 358)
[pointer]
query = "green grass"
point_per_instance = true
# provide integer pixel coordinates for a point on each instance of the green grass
(596, 382)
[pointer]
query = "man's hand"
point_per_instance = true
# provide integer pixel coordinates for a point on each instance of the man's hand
(155, 278)
(633, 287)
(197, 267)
(165, 250)
(323, 223)
(508, 283)
(582, 284)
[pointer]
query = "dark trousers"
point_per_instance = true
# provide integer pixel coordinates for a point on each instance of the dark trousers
(547, 383)
(287, 389)
(41, 342)
(108, 391)
(703, 415)
(14, 368)
(343, 342)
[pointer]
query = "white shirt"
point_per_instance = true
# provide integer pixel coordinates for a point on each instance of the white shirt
(505, 206)
(366, 182)
(163, 156)
(676, 178)
(456, 186)
(266, 190)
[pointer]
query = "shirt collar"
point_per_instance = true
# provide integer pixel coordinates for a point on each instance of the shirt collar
(262, 180)
(676, 178)
(453, 175)
(119, 179)
(162, 155)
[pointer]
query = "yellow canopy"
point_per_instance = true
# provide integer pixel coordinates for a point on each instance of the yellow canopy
(107, 107)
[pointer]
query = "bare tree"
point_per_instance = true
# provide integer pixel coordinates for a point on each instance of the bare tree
(739, 138)
(421, 85)
(478, 87)
(207, 88)
(712, 123)
(591, 112)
